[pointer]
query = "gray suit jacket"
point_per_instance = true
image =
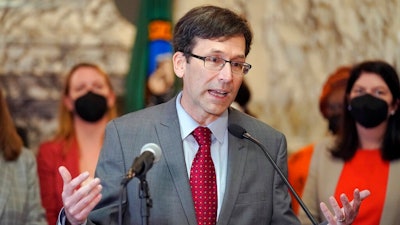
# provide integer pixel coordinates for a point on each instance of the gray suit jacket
(255, 194)
(20, 202)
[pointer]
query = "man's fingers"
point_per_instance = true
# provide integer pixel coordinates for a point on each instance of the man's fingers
(359, 196)
(345, 202)
(78, 205)
(364, 194)
(71, 185)
(84, 198)
(67, 179)
(351, 209)
(79, 200)
(348, 213)
(335, 206)
(65, 174)
(83, 214)
(74, 199)
(327, 213)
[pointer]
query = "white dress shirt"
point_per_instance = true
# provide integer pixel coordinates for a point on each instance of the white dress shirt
(219, 145)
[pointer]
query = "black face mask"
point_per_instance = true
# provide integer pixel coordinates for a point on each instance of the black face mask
(368, 110)
(334, 123)
(91, 107)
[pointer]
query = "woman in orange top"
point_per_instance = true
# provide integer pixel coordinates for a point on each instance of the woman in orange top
(367, 151)
(87, 104)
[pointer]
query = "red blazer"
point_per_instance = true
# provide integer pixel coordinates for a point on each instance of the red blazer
(50, 157)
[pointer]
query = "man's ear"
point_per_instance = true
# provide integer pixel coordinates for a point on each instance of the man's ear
(179, 63)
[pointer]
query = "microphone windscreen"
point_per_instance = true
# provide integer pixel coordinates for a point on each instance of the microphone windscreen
(236, 130)
(153, 148)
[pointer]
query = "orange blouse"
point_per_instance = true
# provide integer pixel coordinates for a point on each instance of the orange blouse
(366, 170)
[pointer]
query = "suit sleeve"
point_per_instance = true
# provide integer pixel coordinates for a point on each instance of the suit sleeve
(110, 169)
(282, 212)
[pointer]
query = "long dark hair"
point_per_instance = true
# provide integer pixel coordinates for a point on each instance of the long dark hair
(348, 142)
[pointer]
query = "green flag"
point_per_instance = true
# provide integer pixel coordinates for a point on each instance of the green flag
(152, 43)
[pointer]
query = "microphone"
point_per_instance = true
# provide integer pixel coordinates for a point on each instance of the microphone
(149, 154)
(241, 133)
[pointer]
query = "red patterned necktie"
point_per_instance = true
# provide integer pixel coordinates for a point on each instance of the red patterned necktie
(203, 180)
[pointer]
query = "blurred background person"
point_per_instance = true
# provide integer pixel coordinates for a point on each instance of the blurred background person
(87, 104)
(331, 108)
(20, 202)
(242, 99)
(367, 150)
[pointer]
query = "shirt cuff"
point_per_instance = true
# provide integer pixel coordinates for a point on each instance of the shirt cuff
(62, 218)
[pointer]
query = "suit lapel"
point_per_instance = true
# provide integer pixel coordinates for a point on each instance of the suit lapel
(174, 156)
(236, 155)
(237, 151)
(5, 184)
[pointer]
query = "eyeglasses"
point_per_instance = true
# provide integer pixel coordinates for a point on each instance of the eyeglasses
(216, 63)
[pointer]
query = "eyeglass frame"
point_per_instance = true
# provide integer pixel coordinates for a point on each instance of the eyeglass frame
(204, 58)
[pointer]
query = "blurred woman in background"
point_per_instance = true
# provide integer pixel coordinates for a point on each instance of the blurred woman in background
(367, 151)
(20, 202)
(87, 104)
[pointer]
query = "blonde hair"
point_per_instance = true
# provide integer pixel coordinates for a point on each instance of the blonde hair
(10, 142)
(65, 120)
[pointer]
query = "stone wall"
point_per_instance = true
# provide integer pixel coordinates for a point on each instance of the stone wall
(304, 41)
(41, 40)
(296, 45)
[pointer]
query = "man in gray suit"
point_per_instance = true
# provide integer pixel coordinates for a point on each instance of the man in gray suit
(211, 45)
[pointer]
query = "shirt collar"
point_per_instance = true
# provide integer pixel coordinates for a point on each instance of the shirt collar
(188, 124)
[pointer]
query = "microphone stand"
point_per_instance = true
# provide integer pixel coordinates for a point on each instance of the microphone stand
(145, 200)
(149, 154)
(121, 196)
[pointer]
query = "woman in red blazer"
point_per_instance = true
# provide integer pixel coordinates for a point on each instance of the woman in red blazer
(87, 104)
